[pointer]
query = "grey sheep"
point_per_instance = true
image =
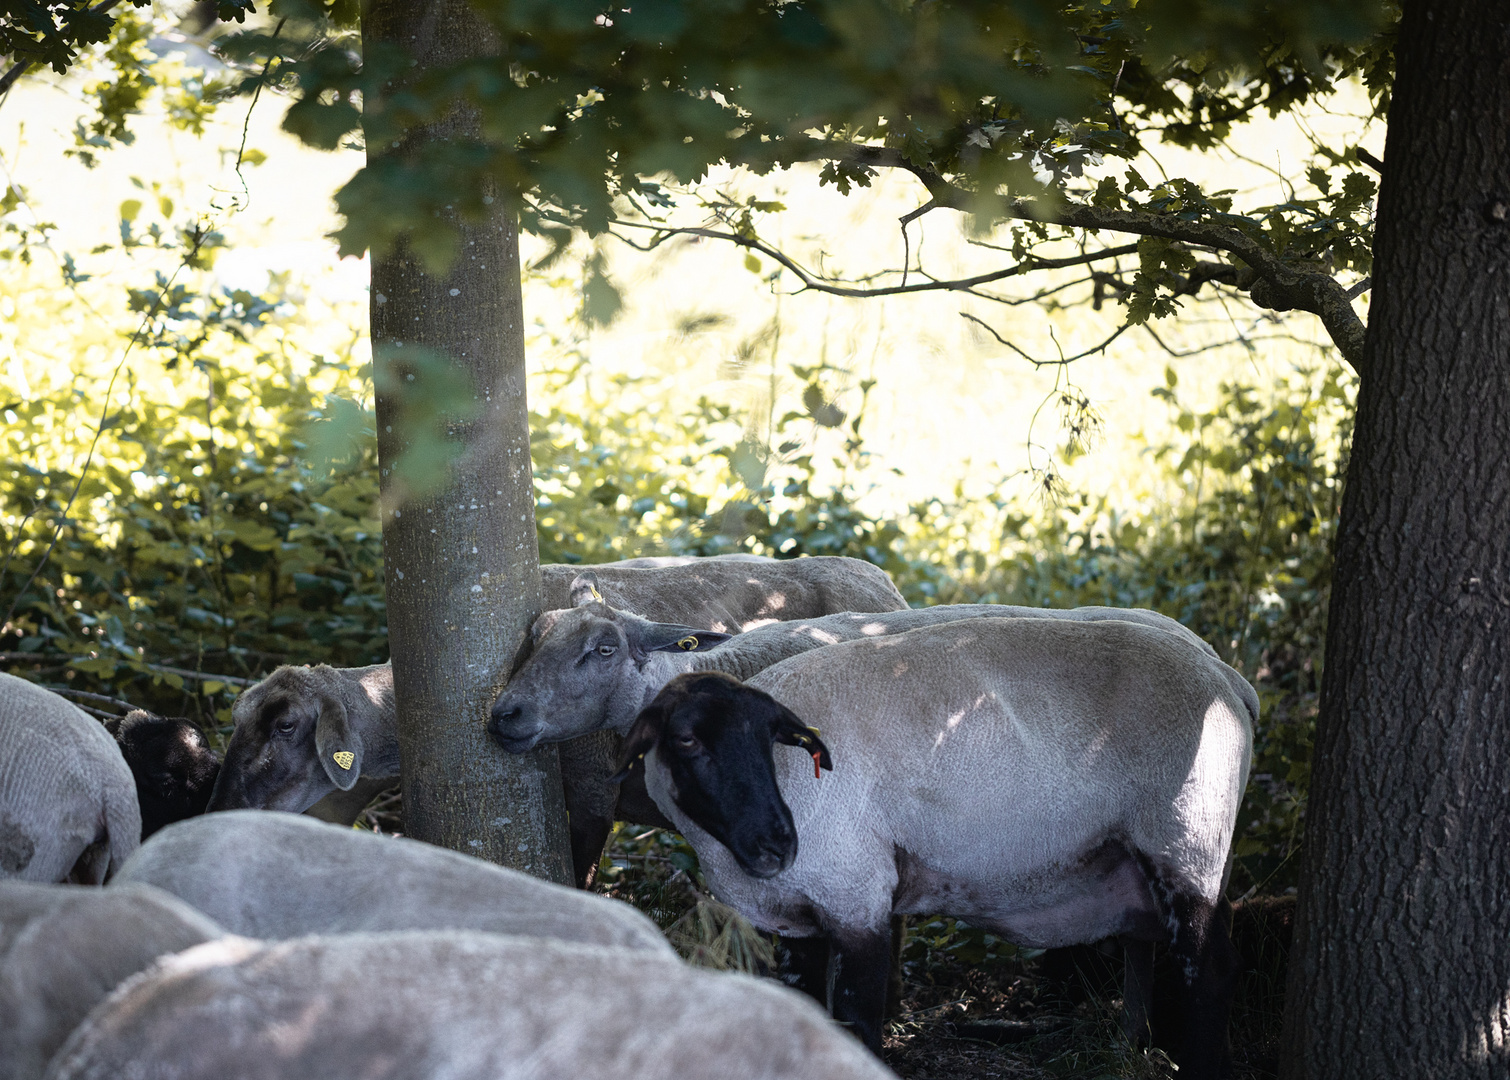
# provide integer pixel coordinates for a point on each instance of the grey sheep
(63, 948)
(1055, 782)
(451, 1006)
(67, 799)
(303, 733)
(593, 668)
(284, 875)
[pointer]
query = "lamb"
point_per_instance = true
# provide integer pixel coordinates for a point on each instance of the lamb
(302, 733)
(67, 800)
(594, 668)
(284, 875)
(1054, 781)
(62, 949)
(462, 1006)
(173, 767)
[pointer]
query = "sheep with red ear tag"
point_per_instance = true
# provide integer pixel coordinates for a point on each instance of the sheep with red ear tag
(1054, 781)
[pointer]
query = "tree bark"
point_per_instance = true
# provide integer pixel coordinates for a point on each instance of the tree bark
(461, 560)
(1401, 966)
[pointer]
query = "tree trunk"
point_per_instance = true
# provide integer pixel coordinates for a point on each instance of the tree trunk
(1401, 966)
(461, 559)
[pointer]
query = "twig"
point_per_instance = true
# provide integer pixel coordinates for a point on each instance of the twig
(202, 676)
(1063, 360)
(84, 695)
(163, 669)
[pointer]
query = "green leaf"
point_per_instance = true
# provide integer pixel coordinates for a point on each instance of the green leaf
(130, 208)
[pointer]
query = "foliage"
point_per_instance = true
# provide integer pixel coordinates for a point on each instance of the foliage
(48, 32)
(1039, 114)
(227, 521)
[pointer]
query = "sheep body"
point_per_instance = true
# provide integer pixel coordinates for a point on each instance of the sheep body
(63, 949)
(555, 696)
(67, 799)
(284, 875)
(1057, 782)
(452, 1006)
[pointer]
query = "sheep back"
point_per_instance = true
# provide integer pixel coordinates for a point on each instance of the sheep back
(63, 949)
(272, 875)
(457, 1006)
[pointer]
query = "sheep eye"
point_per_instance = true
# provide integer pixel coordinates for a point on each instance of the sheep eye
(285, 727)
(607, 650)
(684, 742)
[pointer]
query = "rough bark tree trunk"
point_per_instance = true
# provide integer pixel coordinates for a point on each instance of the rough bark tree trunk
(462, 562)
(1401, 966)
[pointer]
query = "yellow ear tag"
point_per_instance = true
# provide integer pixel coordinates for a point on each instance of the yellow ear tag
(688, 643)
(344, 758)
(596, 595)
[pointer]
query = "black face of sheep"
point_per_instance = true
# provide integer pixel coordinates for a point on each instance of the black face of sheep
(713, 735)
(174, 768)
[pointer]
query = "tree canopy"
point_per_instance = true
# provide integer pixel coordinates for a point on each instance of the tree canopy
(1031, 113)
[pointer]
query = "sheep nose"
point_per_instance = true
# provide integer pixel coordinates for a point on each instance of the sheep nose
(511, 730)
(506, 714)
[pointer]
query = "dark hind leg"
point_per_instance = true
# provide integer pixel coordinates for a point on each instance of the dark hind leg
(862, 970)
(1137, 991)
(894, 981)
(1203, 980)
(803, 966)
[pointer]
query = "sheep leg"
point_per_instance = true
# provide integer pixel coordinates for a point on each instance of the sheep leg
(586, 765)
(804, 966)
(1207, 970)
(894, 986)
(1137, 990)
(862, 970)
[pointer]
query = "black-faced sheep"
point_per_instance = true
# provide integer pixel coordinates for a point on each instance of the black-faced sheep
(172, 764)
(1056, 782)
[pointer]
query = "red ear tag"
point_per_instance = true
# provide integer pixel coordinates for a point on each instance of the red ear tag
(816, 755)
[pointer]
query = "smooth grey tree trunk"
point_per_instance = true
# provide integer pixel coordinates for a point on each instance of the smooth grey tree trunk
(462, 562)
(1401, 962)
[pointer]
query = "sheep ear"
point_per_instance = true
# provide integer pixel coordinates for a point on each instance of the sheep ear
(339, 748)
(669, 637)
(641, 739)
(786, 728)
(584, 590)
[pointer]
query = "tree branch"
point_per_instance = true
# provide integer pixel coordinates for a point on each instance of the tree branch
(1279, 285)
(811, 281)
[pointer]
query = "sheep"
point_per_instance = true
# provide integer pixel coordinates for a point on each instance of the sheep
(594, 668)
(1056, 782)
(302, 733)
(67, 800)
(62, 949)
(284, 875)
(462, 1006)
(173, 767)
